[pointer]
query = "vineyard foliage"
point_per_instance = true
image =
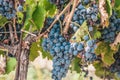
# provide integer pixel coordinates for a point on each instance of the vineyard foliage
(72, 33)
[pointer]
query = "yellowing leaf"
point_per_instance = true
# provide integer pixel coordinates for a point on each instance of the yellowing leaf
(80, 32)
(103, 13)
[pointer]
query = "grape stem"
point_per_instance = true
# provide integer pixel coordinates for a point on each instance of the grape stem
(11, 34)
(28, 32)
(70, 17)
(60, 25)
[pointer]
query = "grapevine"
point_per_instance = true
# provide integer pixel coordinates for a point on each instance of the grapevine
(72, 33)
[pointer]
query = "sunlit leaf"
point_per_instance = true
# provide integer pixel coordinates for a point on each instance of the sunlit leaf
(50, 8)
(76, 65)
(109, 7)
(38, 17)
(34, 51)
(80, 32)
(3, 21)
(11, 64)
(97, 34)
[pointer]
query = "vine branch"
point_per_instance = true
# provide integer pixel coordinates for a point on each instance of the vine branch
(70, 17)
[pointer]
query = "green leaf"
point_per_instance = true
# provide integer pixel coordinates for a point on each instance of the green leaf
(29, 12)
(117, 4)
(108, 58)
(99, 69)
(20, 17)
(50, 8)
(3, 21)
(76, 65)
(34, 51)
(80, 32)
(109, 7)
(38, 16)
(106, 53)
(102, 48)
(117, 7)
(11, 64)
(97, 34)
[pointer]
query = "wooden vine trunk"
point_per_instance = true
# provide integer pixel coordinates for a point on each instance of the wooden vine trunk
(22, 65)
(23, 57)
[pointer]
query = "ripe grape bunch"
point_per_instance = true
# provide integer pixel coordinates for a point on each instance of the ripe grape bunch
(81, 14)
(59, 49)
(109, 34)
(63, 51)
(7, 9)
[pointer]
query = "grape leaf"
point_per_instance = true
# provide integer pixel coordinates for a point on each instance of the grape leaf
(34, 51)
(20, 17)
(11, 63)
(36, 13)
(76, 65)
(3, 21)
(108, 58)
(117, 7)
(50, 8)
(109, 7)
(99, 68)
(80, 32)
(38, 16)
(107, 53)
(29, 11)
(97, 34)
(102, 48)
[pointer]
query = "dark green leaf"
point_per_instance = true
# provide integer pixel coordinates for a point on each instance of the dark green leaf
(102, 48)
(108, 58)
(109, 7)
(117, 7)
(76, 65)
(38, 17)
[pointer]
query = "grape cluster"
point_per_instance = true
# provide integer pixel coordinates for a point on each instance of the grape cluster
(59, 3)
(7, 9)
(89, 50)
(81, 14)
(59, 49)
(109, 34)
(63, 51)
